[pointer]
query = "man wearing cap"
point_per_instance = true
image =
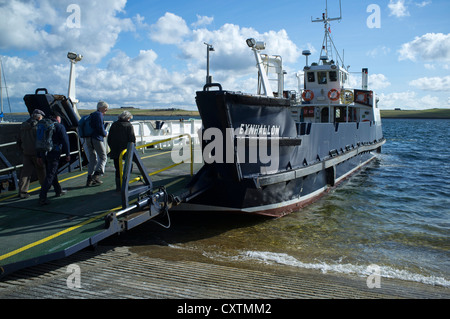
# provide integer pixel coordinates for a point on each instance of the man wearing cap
(27, 142)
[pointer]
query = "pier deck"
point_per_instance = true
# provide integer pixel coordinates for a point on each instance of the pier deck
(32, 234)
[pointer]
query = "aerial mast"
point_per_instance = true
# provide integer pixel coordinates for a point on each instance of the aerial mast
(1, 92)
(328, 43)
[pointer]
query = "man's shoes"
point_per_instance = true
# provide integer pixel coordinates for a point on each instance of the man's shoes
(63, 192)
(96, 179)
(23, 195)
(93, 180)
(43, 202)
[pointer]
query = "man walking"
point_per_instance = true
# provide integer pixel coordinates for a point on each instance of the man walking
(51, 160)
(120, 134)
(96, 146)
(27, 142)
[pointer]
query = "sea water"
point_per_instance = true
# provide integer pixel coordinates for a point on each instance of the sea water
(394, 214)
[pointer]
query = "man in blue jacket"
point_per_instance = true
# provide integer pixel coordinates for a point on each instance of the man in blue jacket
(96, 146)
(51, 161)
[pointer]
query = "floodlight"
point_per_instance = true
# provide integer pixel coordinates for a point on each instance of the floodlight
(74, 57)
(251, 42)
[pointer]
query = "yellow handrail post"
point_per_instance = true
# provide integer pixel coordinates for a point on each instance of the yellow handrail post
(163, 169)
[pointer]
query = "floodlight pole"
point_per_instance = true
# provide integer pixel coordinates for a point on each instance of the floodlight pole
(71, 94)
(209, 48)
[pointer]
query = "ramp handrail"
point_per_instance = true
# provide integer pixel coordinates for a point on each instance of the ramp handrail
(15, 167)
(165, 168)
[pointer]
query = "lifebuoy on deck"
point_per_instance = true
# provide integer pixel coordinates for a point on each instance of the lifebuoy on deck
(361, 97)
(307, 95)
(347, 96)
(333, 95)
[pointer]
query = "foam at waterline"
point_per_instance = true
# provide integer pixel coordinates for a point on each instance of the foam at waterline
(363, 271)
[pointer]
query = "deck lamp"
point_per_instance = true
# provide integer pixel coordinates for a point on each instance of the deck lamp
(251, 42)
(74, 57)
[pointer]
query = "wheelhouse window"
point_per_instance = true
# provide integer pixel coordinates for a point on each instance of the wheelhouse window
(311, 77)
(322, 77)
(333, 76)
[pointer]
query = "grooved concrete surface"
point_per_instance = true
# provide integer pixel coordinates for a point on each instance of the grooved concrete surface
(119, 273)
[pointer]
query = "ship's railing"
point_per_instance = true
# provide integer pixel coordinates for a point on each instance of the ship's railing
(151, 131)
(15, 167)
(182, 136)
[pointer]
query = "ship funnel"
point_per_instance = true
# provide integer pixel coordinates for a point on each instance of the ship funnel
(365, 79)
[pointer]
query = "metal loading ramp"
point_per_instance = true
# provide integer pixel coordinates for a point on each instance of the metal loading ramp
(31, 234)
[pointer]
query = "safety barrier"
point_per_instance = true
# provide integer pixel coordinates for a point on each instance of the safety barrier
(165, 168)
(15, 167)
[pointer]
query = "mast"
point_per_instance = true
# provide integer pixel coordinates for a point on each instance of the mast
(328, 44)
(1, 92)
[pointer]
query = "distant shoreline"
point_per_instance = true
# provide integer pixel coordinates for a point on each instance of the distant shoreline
(146, 112)
(416, 114)
(394, 114)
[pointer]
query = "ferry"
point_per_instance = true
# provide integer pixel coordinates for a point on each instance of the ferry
(275, 151)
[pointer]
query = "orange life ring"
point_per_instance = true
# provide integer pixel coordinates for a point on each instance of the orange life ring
(308, 95)
(361, 97)
(334, 95)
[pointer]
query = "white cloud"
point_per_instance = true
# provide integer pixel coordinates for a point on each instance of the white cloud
(138, 81)
(378, 51)
(231, 50)
(202, 20)
(429, 47)
(43, 27)
(378, 81)
(123, 79)
(423, 4)
(398, 8)
(436, 84)
(169, 29)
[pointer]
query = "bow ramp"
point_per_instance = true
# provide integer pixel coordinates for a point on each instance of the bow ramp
(33, 234)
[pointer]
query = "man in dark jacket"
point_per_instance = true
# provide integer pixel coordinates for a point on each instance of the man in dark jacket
(27, 142)
(96, 146)
(51, 160)
(120, 134)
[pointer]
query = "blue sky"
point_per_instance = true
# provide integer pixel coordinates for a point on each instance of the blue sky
(151, 54)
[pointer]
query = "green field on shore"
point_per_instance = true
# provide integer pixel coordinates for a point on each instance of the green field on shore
(146, 112)
(417, 114)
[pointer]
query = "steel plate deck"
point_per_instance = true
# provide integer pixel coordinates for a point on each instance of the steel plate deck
(31, 234)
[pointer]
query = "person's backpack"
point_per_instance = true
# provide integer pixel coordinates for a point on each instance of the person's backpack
(84, 127)
(44, 135)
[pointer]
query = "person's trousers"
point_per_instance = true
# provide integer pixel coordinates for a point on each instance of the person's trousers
(30, 165)
(96, 151)
(51, 178)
